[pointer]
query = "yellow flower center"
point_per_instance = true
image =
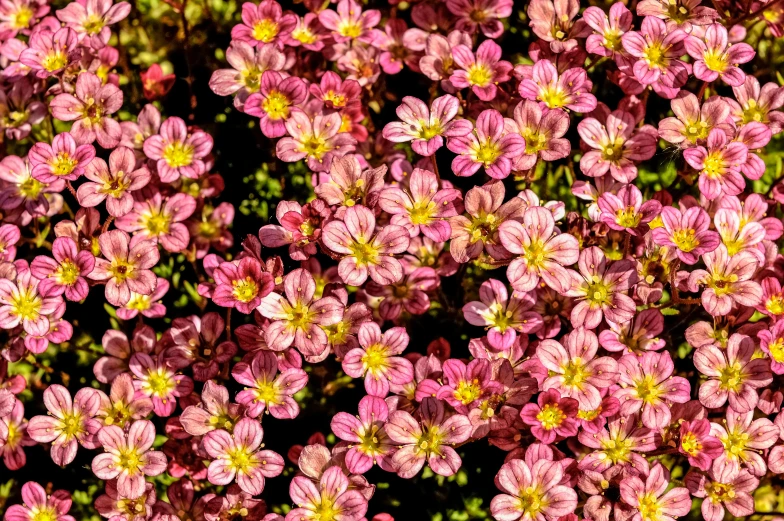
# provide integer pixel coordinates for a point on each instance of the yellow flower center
(627, 217)
(315, 147)
(276, 105)
(130, 461)
(63, 164)
(655, 56)
(429, 131)
(21, 18)
(46, 513)
(71, 424)
(648, 390)
(240, 460)
(159, 382)
(479, 75)
(31, 188)
(553, 97)
(776, 349)
(775, 305)
(304, 35)
(714, 165)
(265, 30)
(487, 153)
(157, 223)
(551, 416)
(422, 212)
(55, 60)
(120, 270)
(245, 289)
(366, 254)
(531, 502)
(266, 392)
(67, 273)
(349, 29)
(716, 61)
(177, 154)
(685, 240)
(720, 492)
(731, 377)
(93, 24)
(375, 358)
(650, 508)
(574, 373)
(468, 392)
(690, 444)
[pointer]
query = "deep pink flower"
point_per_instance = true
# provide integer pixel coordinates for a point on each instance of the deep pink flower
(70, 423)
(482, 72)
(154, 379)
(719, 164)
(487, 146)
(656, 54)
(568, 90)
(627, 211)
(63, 159)
(265, 389)
(236, 457)
(38, 504)
(686, 233)
(160, 220)
(728, 489)
(65, 272)
(378, 359)
(772, 344)
(13, 432)
(241, 284)
(90, 109)
(128, 457)
(551, 416)
(273, 102)
(50, 52)
(714, 57)
(480, 14)
(177, 151)
(697, 444)
(349, 22)
(264, 23)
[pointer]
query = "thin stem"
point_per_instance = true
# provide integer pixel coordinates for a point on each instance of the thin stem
(435, 168)
(228, 324)
(756, 13)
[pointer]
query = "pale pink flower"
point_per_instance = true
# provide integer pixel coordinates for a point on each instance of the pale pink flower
(532, 492)
(91, 18)
(426, 127)
(568, 90)
(714, 57)
(126, 268)
(178, 151)
(378, 359)
(488, 146)
(265, 389)
(318, 139)
(482, 72)
(90, 108)
(113, 182)
(38, 504)
(332, 495)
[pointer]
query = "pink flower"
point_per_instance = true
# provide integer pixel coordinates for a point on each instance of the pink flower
(91, 20)
(532, 491)
(551, 416)
(649, 498)
(126, 268)
(264, 23)
(501, 315)
(480, 14)
(698, 445)
(50, 52)
(24, 303)
(13, 432)
(424, 207)
(758, 104)
(409, 295)
(481, 72)
(19, 16)
(656, 54)
(608, 28)
(573, 369)
(488, 146)
(729, 489)
(627, 211)
(744, 439)
(719, 165)
(9, 237)
(369, 442)
(617, 145)
(487, 211)
(248, 65)
(196, 344)
(318, 139)
(236, 457)
(349, 22)
(731, 374)
(65, 272)
(617, 444)
(332, 496)
(39, 504)
(692, 123)
(297, 319)
(90, 109)
(349, 184)
(178, 152)
(160, 221)
(365, 252)
(714, 57)
(772, 344)
(158, 381)
(428, 440)
(647, 384)
(70, 423)
(63, 159)
(241, 284)
(542, 129)
(426, 128)
(377, 359)
(543, 252)
(568, 90)
(601, 287)
(128, 457)
(466, 386)
(113, 182)
(272, 104)
(122, 406)
(266, 389)
(214, 412)
(686, 233)
(636, 336)
(727, 280)
(437, 63)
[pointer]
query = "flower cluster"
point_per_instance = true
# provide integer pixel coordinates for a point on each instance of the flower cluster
(564, 257)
